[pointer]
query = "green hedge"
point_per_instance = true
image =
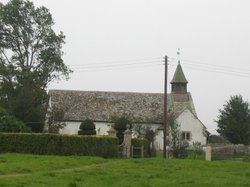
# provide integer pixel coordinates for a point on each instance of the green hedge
(53, 144)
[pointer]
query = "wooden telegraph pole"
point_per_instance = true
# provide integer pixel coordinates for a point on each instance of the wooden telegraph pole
(165, 123)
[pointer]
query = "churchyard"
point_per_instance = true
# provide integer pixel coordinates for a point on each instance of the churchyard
(41, 170)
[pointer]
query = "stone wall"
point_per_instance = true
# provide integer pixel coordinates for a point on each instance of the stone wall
(225, 151)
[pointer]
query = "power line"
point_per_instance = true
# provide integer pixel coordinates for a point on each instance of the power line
(228, 70)
(120, 61)
(116, 68)
(216, 67)
(93, 66)
(150, 62)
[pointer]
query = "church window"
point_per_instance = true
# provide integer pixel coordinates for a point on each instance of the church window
(186, 136)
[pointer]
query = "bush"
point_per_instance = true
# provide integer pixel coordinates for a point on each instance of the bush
(197, 148)
(3, 112)
(54, 144)
(87, 127)
(180, 151)
(11, 124)
(120, 127)
(246, 158)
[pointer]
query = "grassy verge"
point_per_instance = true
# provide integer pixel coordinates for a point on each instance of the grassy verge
(28, 170)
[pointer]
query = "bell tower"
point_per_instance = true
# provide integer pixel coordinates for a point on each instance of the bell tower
(179, 81)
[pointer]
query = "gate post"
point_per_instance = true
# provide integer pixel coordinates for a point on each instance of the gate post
(209, 152)
(127, 142)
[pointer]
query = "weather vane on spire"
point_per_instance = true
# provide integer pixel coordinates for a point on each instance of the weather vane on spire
(178, 54)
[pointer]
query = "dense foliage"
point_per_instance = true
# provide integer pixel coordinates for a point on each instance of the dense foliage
(3, 112)
(149, 134)
(30, 58)
(55, 120)
(234, 120)
(120, 126)
(177, 146)
(87, 127)
(53, 144)
(11, 124)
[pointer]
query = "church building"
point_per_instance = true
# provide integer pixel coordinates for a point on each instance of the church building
(145, 108)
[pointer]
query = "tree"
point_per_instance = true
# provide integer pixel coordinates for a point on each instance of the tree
(55, 120)
(197, 148)
(177, 145)
(11, 124)
(120, 125)
(3, 112)
(30, 58)
(149, 134)
(234, 120)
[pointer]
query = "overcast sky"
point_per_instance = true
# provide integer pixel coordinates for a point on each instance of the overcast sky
(119, 45)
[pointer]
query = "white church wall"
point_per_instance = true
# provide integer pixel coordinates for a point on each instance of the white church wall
(159, 140)
(102, 128)
(72, 127)
(189, 123)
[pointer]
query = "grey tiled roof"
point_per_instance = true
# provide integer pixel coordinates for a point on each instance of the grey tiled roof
(101, 106)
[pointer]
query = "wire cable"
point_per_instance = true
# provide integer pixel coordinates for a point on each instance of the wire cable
(117, 68)
(93, 66)
(119, 61)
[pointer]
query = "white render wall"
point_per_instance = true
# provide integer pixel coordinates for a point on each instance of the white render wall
(189, 123)
(72, 127)
(159, 140)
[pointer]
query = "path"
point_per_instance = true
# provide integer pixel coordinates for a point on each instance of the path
(66, 170)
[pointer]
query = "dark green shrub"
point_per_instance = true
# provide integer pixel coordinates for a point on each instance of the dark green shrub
(3, 112)
(11, 124)
(55, 144)
(87, 127)
(120, 127)
(180, 151)
(246, 158)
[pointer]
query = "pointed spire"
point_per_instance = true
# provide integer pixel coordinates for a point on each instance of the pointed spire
(179, 76)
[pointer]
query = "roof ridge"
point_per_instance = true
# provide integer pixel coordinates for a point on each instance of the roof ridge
(98, 91)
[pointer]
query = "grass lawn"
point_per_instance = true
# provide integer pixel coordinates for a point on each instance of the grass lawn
(29, 170)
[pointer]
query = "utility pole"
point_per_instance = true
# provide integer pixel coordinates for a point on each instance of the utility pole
(165, 123)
